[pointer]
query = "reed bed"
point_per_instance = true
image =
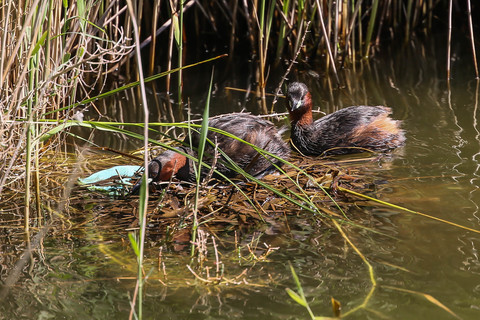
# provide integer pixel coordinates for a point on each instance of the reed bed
(51, 54)
(56, 56)
(59, 59)
(222, 208)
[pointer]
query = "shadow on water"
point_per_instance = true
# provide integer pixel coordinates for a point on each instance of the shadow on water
(88, 271)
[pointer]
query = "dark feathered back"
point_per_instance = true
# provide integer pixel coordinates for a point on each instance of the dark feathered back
(253, 129)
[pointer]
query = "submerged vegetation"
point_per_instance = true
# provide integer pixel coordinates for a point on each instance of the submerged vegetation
(59, 61)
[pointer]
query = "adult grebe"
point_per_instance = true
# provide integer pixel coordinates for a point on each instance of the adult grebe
(250, 128)
(348, 130)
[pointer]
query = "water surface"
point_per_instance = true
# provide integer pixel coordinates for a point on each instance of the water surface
(419, 264)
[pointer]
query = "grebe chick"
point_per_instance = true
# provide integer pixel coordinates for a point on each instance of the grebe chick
(348, 130)
(250, 128)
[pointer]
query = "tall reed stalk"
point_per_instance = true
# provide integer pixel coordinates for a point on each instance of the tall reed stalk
(48, 53)
(449, 39)
(282, 30)
(198, 171)
(472, 37)
(327, 42)
(179, 39)
(266, 19)
(144, 189)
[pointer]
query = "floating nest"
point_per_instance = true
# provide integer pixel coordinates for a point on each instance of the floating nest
(310, 185)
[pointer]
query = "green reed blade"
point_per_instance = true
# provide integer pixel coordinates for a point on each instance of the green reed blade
(300, 297)
(371, 25)
(408, 20)
(134, 244)
(391, 205)
(201, 149)
(204, 129)
(131, 85)
(282, 31)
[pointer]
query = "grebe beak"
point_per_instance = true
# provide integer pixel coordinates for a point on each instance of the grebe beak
(295, 104)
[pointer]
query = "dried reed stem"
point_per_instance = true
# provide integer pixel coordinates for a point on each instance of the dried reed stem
(143, 208)
(449, 39)
(472, 37)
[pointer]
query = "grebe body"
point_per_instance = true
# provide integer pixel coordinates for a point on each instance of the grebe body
(349, 130)
(250, 128)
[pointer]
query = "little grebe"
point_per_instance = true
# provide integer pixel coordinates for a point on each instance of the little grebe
(250, 128)
(347, 130)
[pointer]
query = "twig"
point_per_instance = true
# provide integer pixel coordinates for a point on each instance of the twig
(294, 60)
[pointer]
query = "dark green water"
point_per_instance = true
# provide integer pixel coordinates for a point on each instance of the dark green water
(84, 275)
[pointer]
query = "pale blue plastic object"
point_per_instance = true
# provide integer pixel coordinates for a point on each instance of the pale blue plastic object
(117, 171)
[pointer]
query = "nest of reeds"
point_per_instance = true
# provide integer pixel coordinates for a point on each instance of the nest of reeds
(221, 207)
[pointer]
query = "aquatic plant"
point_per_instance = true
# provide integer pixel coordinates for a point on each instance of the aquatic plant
(56, 55)
(58, 59)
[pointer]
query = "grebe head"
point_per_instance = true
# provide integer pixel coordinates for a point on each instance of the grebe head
(297, 95)
(163, 167)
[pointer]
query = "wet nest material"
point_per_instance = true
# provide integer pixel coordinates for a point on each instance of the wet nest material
(224, 208)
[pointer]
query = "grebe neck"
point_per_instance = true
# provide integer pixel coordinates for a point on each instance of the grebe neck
(302, 116)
